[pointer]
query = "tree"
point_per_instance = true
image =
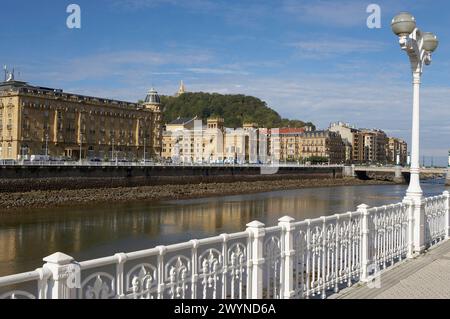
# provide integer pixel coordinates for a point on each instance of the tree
(234, 109)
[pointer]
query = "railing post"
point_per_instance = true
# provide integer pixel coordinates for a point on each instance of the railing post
(363, 209)
(409, 202)
(65, 276)
(257, 232)
(121, 259)
(419, 225)
(287, 256)
(447, 214)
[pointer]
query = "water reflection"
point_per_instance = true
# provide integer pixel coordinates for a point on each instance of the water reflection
(26, 237)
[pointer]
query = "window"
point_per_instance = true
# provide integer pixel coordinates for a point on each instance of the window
(9, 150)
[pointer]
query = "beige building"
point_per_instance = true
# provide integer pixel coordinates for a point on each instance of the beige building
(45, 121)
(178, 140)
(190, 141)
(325, 144)
(369, 146)
(351, 138)
(303, 144)
(375, 142)
(242, 144)
(396, 147)
(289, 144)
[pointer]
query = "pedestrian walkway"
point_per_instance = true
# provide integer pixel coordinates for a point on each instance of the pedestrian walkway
(427, 276)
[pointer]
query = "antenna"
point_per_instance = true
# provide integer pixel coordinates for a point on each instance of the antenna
(5, 69)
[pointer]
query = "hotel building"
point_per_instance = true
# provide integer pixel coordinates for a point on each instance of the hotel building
(44, 121)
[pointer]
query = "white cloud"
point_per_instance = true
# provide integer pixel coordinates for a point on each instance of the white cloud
(130, 66)
(322, 46)
(217, 71)
(187, 4)
(343, 13)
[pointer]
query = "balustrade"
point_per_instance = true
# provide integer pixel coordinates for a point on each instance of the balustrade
(305, 259)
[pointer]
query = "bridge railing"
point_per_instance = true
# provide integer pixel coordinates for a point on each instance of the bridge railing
(87, 163)
(294, 259)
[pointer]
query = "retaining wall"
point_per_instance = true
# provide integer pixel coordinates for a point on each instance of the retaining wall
(18, 179)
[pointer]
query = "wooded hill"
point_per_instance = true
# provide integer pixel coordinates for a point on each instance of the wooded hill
(234, 109)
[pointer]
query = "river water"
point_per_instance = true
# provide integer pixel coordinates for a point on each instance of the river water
(92, 232)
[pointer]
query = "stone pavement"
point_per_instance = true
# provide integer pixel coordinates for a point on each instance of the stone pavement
(424, 277)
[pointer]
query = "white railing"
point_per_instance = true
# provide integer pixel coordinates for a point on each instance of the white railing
(120, 163)
(306, 259)
(436, 221)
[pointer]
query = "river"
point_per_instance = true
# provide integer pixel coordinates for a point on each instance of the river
(85, 233)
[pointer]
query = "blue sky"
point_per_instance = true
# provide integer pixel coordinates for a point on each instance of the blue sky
(311, 60)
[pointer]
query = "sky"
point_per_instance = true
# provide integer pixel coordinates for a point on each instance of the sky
(313, 60)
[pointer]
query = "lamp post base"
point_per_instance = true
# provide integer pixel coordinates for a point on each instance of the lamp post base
(398, 176)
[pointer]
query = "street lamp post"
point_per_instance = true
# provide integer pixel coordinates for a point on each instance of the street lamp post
(112, 148)
(81, 147)
(46, 146)
(145, 144)
(419, 47)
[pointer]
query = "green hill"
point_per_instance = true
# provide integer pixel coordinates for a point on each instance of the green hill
(235, 109)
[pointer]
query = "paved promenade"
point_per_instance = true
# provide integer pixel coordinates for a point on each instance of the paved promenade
(427, 276)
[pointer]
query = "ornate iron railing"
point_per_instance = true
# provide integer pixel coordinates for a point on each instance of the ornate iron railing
(436, 227)
(306, 259)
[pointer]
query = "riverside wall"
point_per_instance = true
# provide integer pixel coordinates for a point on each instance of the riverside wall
(32, 178)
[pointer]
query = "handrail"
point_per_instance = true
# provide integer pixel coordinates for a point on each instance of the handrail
(294, 259)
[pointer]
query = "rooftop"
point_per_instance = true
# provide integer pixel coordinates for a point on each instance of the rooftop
(27, 89)
(182, 121)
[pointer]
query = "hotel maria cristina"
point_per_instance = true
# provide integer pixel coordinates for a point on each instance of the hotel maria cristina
(44, 121)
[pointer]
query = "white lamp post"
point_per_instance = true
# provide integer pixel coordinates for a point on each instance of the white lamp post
(145, 150)
(419, 46)
(81, 147)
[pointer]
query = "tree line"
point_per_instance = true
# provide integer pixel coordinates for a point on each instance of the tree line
(234, 109)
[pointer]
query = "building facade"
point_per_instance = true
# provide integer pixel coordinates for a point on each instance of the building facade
(45, 121)
(190, 141)
(370, 145)
(323, 144)
(397, 147)
(375, 142)
(287, 144)
(352, 140)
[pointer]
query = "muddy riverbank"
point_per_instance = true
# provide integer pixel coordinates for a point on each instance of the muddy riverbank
(10, 202)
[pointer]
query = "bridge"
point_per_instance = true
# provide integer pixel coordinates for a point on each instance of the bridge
(314, 258)
(400, 174)
(392, 169)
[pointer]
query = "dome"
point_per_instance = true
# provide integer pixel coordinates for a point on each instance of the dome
(152, 97)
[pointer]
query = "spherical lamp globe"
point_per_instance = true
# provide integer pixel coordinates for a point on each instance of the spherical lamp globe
(430, 41)
(403, 24)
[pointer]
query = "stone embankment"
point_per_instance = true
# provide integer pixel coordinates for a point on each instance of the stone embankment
(78, 195)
